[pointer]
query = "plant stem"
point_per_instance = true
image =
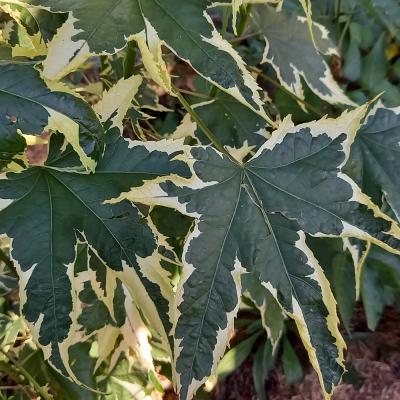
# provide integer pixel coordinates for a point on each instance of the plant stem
(195, 94)
(130, 59)
(276, 84)
(338, 7)
(218, 145)
(344, 31)
(155, 135)
(27, 375)
(244, 37)
(170, 261)
(243, 20)
(225, 20)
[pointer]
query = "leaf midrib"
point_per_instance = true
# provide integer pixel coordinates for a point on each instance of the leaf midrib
(96, 215)
(51, 259)
(270, 228)
(295, 196)
(287, 273)
(201, 326)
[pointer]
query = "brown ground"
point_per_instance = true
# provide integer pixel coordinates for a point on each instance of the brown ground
(375, 357)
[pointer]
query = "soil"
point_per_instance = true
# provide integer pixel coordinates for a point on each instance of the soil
(374, 358)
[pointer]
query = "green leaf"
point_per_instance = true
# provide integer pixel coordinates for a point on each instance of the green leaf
(58, 206)
(24, 40)
(372, 296)
(7, 284)
(291, 363)
(374, 161)
(12, 147)
(10, 328)
(387, 13)
(286, 104)
(105, 308)
(374, 65)
(124, 382)
(63, 389)
(352, 64)
(264, 361)
(380, 283)
(155, 381)
(391, 93)
(234, 358)
(292, 54)
(101, 27)
(96, 312)
(254, 216)
(30, 107)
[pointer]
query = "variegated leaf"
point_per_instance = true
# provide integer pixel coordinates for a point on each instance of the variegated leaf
(116, 101)
(254, 217)
(45, 22)
(271, 313)
(24, 41)
(12, 147)
(30, 107)
(105, 309)
(49, 208)
(337, 261)
(374, 160)
(293, 56)
(101, 27)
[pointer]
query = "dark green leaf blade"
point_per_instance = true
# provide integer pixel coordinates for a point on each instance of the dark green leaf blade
(54, 206)
(30, 107)
(374, 160)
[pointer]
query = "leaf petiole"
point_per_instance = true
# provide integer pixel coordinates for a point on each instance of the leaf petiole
(214, 140)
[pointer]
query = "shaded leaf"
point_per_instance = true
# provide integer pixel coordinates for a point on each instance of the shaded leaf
(234, 358)
(292, 54)
(380, 284)
(291, 364)
(234, 124)
(264, 361)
